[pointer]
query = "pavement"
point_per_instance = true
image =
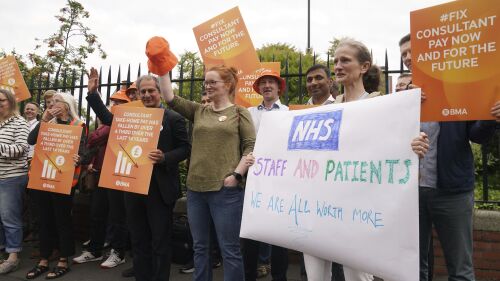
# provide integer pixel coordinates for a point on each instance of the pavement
(92, 272)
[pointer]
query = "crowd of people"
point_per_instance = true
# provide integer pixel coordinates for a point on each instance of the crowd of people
(219, 153)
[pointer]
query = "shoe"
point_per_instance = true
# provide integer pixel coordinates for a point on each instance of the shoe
(86, 257)
(113, 260)
(187, 268)
(129, 272)
(216, 264)
(263, 270)
(8, 266)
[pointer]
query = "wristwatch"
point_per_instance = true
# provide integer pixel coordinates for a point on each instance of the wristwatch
(238, 176)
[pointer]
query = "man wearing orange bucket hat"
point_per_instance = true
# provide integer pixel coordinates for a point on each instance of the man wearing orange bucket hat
(271, 86)
(131, 92)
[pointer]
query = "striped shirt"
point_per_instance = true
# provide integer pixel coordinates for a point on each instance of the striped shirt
(13, 147)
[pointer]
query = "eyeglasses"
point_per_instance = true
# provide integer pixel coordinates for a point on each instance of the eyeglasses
(211, 83)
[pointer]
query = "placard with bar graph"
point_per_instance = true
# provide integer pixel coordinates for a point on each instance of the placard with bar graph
(134, 133)
(52, 167)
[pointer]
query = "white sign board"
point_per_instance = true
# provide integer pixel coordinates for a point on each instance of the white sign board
(340, 182)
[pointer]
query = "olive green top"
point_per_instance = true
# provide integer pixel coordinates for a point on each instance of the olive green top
(220, 139)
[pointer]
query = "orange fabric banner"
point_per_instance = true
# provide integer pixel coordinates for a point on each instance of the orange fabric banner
(134, 133)
(11, 78)
(300, 106)
(455, 59)
(52, 167)
(224, 39)
(245, 94)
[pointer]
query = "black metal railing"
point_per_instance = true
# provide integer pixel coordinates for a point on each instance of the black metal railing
(76, 85)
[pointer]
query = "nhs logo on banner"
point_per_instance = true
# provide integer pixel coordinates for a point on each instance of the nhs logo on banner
(315, 131)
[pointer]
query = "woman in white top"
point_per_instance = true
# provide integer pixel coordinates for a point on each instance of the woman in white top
(360, 78)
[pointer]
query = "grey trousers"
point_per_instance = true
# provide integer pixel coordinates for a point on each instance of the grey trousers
(451, 215)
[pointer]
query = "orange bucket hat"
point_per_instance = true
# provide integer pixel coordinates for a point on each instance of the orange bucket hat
(161, 59)
(132, 87)
(120, 95)
(270, 73)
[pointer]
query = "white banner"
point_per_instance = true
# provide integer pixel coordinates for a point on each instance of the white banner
(340, 182)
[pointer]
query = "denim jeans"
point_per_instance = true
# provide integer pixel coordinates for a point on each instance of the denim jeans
(224, 208)
(11, 212)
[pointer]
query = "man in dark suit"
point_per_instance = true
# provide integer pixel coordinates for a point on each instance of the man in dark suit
(150, 217)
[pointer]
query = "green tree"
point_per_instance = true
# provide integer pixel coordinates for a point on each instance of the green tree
(298, 63)
(67, 48)
(190, 66)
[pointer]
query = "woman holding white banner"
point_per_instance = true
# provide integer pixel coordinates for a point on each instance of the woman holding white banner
(223, 137)
(354, 69)
(13, 179)
(54, 208)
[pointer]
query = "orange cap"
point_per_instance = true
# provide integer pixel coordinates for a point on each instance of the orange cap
(161, 59)
(120, 95)
(271, 73)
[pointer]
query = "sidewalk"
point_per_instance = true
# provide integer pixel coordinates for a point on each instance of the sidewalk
(92, 272)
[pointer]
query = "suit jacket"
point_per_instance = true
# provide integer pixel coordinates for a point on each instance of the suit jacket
(173, 142)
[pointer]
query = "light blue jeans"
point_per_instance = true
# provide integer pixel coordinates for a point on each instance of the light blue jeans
(11, 210)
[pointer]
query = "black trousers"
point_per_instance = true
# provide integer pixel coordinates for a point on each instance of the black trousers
(107, 208)
(150, 224)
(279, 260)
(54, 212)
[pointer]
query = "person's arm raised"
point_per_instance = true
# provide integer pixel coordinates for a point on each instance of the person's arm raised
(166, 88)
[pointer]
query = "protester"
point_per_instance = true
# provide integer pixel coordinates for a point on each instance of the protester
(353, 68)
(31, 111)
(404, 80)
(446, 192)
(223, 136)
(271, 86)
(150, 216)
(54, 208)
(131, 92)
(107, 208)
(13, 178)
(318, 84)
(48, 100)
(205, 100)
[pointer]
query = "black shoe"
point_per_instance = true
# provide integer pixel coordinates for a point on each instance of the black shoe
(129, 272)
(187, 268)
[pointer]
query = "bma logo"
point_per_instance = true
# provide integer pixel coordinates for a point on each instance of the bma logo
(454, 111)
(317, 131)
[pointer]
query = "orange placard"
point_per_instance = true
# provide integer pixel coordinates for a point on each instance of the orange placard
(300, 106)
(133, 134)
(455, 59)
(52, 167)
(11, 78)
(224, 39)
(245, 95)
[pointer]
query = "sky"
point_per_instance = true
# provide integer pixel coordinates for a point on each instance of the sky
(123, 27)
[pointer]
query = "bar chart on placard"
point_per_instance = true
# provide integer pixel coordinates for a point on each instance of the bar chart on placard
(123, 165)
(48, 170)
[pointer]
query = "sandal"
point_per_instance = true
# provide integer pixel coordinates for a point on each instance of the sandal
(36, 271)
(57, 272)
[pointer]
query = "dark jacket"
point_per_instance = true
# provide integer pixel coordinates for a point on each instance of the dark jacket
(173, 142)
(455, 162)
